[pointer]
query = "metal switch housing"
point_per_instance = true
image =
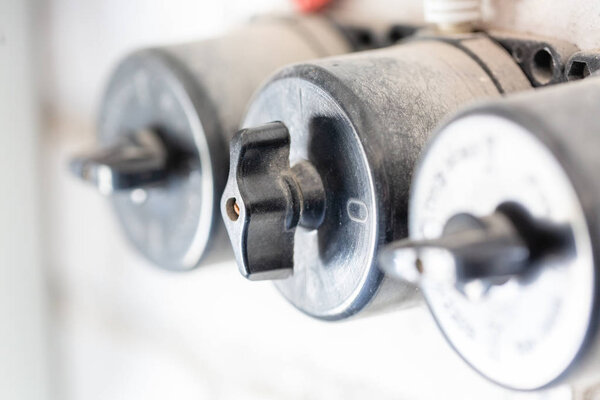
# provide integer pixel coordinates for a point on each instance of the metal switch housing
(528, 317)
(357, 123)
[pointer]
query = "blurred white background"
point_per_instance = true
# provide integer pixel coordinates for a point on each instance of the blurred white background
(84, 317)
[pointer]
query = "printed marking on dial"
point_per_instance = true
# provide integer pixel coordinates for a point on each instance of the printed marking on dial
(357, 211)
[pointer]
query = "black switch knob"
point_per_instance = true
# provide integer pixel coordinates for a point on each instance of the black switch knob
(265, 200)
(135, 161)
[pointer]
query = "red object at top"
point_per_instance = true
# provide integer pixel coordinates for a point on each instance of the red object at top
(309, 6)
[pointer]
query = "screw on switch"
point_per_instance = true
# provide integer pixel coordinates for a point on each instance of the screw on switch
(265, 200)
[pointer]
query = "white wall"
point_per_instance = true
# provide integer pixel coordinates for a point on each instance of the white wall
(23, 334)
(126, 330)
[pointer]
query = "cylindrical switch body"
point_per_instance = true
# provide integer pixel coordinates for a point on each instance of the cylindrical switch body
(360, 121)
(532, 158)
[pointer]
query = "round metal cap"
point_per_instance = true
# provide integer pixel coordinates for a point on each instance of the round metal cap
(527, 330)
(334, 273)
(170, 222)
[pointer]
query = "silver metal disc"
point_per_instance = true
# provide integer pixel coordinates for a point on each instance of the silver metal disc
(526, 332)
(169, 223)
(334, 273)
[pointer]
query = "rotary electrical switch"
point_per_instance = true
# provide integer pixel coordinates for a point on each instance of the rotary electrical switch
(166, 119)
(319, 177)
(504, 237)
